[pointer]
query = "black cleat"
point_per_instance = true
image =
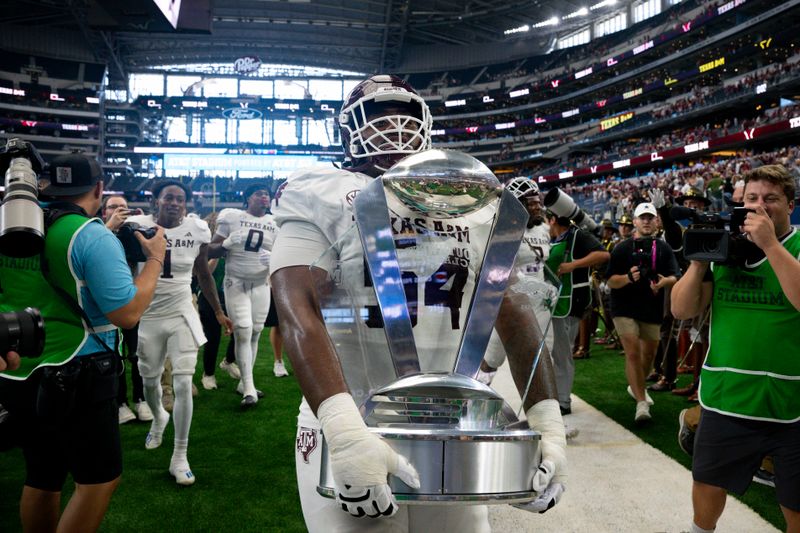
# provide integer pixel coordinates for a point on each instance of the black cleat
(248, 402)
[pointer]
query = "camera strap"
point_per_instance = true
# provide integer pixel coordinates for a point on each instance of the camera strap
(55, 211)
(653, 255)
(70, 301)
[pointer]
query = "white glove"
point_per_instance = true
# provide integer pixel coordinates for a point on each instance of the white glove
(361, 461)
(550, 478)
(264, 256)
(235, 238)
(657, 198)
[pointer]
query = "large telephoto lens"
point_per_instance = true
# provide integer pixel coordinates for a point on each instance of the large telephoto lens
(21, 218)
(562, 204)
(22, 332)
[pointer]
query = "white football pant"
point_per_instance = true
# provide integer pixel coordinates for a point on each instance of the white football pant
(247, 303)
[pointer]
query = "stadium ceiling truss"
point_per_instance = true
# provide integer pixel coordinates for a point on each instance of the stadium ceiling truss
(353, 35)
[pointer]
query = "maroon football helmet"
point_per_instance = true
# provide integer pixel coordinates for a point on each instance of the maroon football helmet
(382, 120)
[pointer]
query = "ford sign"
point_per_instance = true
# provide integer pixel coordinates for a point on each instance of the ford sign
(241, 113)
(246, 64)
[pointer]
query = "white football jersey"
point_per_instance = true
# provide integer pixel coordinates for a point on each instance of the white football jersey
(242, 261)
(439, 260)
(173, 290)
(534, 251)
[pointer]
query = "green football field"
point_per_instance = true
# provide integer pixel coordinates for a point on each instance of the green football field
(244, 461)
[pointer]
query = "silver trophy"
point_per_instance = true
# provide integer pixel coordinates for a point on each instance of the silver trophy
(410, 302)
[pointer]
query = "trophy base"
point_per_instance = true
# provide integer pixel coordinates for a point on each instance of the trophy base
(479, 467)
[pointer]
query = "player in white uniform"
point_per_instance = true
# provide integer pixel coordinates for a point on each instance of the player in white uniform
(530, 269)
(246, 237)
(382, 120)
(171, 325)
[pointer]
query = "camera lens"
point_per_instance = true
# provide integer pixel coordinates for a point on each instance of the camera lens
(22, 332)
(21, 218)
(710, 246)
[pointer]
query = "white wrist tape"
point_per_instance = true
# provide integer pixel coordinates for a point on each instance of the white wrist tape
(358, 457)
(545, 417)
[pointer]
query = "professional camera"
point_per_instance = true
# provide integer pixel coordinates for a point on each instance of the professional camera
(562, 204)
(21, 217)
(127, 235)
(644, 257)
(714, 237)
(22, 332)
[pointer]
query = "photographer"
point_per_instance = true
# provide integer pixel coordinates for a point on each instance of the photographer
(639, 271)
(115, 213)
(66, 408)
(750, 382)
(572, 252)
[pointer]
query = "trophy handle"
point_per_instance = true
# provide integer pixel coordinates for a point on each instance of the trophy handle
(498, 261)
(372, 218)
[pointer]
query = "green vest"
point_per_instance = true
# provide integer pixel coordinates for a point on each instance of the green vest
(559, 253)
(753, 365)
(22, 284)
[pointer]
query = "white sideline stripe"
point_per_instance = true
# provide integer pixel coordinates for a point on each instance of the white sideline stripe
(616, 483)
(750, 372)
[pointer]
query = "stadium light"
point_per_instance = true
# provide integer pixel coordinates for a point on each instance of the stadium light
(582, 12)
(604, 3)
(518, 29)
(553, 21)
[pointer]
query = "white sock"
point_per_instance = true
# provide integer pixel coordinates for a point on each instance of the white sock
(244, 356)
(254, 343)
(182, 410)
(698, 529)
(179, 453)
(152, 395)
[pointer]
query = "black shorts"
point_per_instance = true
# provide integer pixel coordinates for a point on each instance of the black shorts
(272, 315)
(728, 451)
(73, 427)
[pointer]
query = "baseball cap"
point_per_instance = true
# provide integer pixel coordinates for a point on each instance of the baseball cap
(70, 175)
(645, 208)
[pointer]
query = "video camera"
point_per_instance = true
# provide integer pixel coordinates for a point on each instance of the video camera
(562, 204)
(714, 237)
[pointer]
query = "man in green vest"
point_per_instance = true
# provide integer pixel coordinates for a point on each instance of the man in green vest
(572, 252)
(66, 399)
(750, 381)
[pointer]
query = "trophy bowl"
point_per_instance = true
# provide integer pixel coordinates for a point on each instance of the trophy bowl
(442, 183)
(461, 436)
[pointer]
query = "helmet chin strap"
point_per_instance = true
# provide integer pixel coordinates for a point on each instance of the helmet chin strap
(376, 165)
